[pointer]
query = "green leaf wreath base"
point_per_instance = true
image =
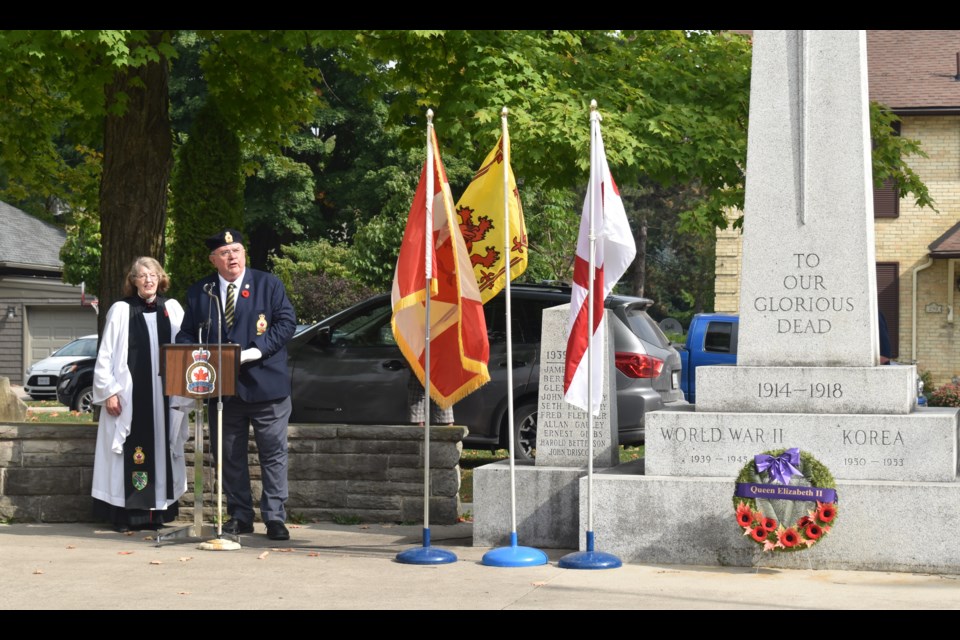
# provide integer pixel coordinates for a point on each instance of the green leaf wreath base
(802, 532)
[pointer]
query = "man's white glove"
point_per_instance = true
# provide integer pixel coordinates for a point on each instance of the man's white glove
(249, 355)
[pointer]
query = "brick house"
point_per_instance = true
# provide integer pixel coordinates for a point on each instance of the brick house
(39, 313)
(917, 75)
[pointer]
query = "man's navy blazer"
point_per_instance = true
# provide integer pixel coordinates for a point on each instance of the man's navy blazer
(262, 301)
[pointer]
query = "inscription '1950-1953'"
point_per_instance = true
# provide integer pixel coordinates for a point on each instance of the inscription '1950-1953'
(805, 293)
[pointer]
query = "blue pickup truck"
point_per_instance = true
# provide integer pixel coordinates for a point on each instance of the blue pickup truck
(711, 340)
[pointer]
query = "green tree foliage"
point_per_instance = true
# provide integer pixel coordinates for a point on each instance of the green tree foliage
(890, 153)
(207, 196)
(316, 276)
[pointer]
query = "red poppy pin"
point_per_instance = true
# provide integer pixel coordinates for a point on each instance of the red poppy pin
(245, 293)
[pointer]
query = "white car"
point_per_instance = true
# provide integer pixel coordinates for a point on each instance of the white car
(42, 376)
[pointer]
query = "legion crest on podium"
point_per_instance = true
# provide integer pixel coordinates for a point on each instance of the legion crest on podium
(201, 376)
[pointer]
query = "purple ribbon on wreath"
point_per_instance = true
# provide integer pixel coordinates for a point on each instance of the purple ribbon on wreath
(781, 468)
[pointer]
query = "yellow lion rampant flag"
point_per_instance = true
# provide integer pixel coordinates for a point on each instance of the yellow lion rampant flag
(481, 219)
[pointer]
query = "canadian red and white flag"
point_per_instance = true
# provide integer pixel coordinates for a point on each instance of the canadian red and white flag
(614, 250)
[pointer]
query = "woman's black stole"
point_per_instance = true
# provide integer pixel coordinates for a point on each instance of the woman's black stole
(139, 452)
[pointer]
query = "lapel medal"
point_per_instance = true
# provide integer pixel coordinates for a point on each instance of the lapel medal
(262, 325)
(138, 457)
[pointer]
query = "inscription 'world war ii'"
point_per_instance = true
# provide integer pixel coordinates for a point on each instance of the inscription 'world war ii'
(805, 301)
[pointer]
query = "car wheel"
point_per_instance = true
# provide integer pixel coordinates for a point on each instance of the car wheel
(83, 401)
(525, 431)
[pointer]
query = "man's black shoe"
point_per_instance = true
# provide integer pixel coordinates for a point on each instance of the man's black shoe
(235, 527)
(276, 530)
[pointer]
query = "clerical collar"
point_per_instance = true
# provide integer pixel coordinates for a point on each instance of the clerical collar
(148, 305)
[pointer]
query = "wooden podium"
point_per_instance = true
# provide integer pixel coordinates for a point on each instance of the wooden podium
(200, 372)
(195, 370)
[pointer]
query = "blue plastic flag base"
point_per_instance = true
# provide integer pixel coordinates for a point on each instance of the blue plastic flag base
(589, 560)
(426, 555)
(514, 557)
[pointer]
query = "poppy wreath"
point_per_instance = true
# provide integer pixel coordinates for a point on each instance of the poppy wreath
(785, 500)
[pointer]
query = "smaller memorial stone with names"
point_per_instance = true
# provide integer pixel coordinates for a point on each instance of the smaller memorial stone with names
(562, 427)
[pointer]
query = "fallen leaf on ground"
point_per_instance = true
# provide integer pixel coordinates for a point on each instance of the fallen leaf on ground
(263, 555)
(37, 572)
(156, 562)
(183, 593)
(286, 550)
(366, 526)
(124, 553)
(538, 584)
(128, 533)
(186, 558)
(296, 526)
(312, 554)
(70, 546)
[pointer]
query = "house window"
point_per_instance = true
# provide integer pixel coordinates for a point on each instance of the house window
(886, 198)
(888, 301)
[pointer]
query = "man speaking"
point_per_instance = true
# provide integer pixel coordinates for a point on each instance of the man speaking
(258, 316)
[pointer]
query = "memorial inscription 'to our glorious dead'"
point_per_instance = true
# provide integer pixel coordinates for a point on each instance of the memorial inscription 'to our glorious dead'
(806, 299)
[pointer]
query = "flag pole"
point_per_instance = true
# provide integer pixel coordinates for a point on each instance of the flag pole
(513, 555)
(427, 554)
(591, 559)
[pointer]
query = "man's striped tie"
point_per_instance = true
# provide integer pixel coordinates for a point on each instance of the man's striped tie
(228, 310)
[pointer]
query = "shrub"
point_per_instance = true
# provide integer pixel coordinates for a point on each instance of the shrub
(947, 395)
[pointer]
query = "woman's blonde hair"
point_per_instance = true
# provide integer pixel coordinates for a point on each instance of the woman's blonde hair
(129, 284)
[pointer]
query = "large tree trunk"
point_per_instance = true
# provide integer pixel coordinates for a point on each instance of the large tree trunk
(137, 159)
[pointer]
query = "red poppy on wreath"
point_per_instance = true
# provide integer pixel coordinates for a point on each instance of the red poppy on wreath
(770, 524)
(813, 531)
(744, 515)
(789, 537)
(826, 512)
(759, 533)
(245, 293)
(804, 521)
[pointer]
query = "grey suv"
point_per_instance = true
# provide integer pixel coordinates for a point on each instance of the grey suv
(348, 370)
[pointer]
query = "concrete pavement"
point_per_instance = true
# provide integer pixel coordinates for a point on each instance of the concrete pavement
(330, 566)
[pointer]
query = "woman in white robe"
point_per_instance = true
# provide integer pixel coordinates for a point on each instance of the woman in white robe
(139, 470)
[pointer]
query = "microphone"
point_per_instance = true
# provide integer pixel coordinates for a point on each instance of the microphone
(208, 289)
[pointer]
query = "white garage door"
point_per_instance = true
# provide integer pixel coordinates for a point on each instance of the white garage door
(49, 328)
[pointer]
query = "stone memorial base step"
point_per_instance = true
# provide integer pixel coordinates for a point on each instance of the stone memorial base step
(918, 447)
(867, 390)
(880, 526)
(548, 503)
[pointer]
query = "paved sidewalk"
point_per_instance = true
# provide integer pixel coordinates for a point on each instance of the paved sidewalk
(329, 566)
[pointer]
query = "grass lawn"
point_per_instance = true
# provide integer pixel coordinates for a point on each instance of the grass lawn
(470, 459)
(53, 412)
